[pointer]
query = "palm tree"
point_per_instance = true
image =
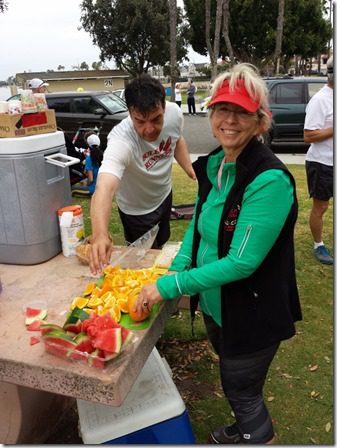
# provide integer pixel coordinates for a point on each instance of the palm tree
(279, 35)
(173, 46)
(213, 51)
(225, 31)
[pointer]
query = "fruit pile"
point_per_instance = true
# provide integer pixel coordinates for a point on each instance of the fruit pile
(91, 332)
(89, 338)
(116, 292)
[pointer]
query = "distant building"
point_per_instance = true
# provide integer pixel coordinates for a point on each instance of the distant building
(64, 81)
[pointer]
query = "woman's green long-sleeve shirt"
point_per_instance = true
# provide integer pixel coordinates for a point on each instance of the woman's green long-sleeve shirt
(265, 206)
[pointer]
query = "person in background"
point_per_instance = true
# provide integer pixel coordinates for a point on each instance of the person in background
(177, 92)
(318, 131)
(37, 85)
(191, 90)
(92, 162)
(237, 257)
(137, 168)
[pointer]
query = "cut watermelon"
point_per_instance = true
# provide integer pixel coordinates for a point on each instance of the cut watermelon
(33, 314)
(75, 315)
(58, 343)
(96, 359)
(35, 326)
(126, 336)
(47, 328)
(74, 327)
(109, 340)
(83, 343)
(34, 340)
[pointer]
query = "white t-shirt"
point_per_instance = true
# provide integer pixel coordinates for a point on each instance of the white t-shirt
(319, 115)
(144, 168)
(177, 93)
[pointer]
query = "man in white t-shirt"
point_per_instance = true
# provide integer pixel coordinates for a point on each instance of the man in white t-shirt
(318, 130)
(137, 167)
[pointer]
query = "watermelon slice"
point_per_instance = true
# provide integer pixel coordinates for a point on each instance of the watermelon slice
(33, 314)
(34, 340)
(75, 327)
(96, 359)
(35, 326)
(47, 328)
(83, 342)
(109, 340)
(126, 336)
(58, 343)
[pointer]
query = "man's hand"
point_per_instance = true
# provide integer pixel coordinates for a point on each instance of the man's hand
(100, 253)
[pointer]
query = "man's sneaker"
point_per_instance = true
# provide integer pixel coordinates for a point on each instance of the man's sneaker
(321, 253)
(225, 435)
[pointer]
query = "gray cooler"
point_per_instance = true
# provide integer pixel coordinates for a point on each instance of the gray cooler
(34, 184)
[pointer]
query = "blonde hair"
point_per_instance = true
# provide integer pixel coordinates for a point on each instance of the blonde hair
(254, 84)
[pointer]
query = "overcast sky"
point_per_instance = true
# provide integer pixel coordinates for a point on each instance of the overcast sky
(37, 35)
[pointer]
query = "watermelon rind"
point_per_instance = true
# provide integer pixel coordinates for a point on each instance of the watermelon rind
(42, 314)
(47, 328)
(58, 343)
(75, 315)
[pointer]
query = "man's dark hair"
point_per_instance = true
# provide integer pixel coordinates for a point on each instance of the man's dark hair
(144, 94)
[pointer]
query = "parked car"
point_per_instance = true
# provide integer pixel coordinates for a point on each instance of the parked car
(120, 93)
(78, 112)
(288, 99)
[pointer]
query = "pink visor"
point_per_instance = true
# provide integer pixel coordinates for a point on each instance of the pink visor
(238, 96)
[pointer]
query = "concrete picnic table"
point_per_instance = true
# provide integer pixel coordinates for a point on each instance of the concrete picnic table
(29, 374)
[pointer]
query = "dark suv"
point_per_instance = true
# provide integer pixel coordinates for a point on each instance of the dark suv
(288, 98)
(77, 112)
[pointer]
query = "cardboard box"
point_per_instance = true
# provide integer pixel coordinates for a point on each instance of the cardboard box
(23, 125)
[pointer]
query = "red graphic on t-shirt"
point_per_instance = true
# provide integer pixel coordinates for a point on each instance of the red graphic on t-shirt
(164, 150)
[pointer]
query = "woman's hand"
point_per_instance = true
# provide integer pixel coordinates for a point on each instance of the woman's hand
(148, 296)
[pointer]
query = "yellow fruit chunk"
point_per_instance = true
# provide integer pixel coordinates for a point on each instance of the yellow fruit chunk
(79, 302)
(123, 305)
(110, 302)
(94, 302)
(89, 289)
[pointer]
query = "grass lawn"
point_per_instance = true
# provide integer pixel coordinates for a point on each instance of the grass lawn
(299, 386)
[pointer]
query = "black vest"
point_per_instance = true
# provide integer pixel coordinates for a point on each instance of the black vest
(260, 310)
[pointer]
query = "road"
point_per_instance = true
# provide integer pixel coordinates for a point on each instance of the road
(198, 134)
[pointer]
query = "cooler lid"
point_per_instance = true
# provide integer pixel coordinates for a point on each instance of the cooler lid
(31, 144)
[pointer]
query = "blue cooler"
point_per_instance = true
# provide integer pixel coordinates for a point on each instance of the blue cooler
(152, 413)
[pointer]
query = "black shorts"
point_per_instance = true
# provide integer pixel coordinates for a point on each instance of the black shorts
(136, 225)
(319, 180)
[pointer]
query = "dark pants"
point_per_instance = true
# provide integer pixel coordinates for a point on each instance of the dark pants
(136, 225)
(242, 379)
(191, 105)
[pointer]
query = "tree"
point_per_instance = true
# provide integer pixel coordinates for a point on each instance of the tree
(279, 35)
(213, 51)
(82, 66)
(252, 29)
(132, 32)
(60, 67)
(173, 46)
(225, 30)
